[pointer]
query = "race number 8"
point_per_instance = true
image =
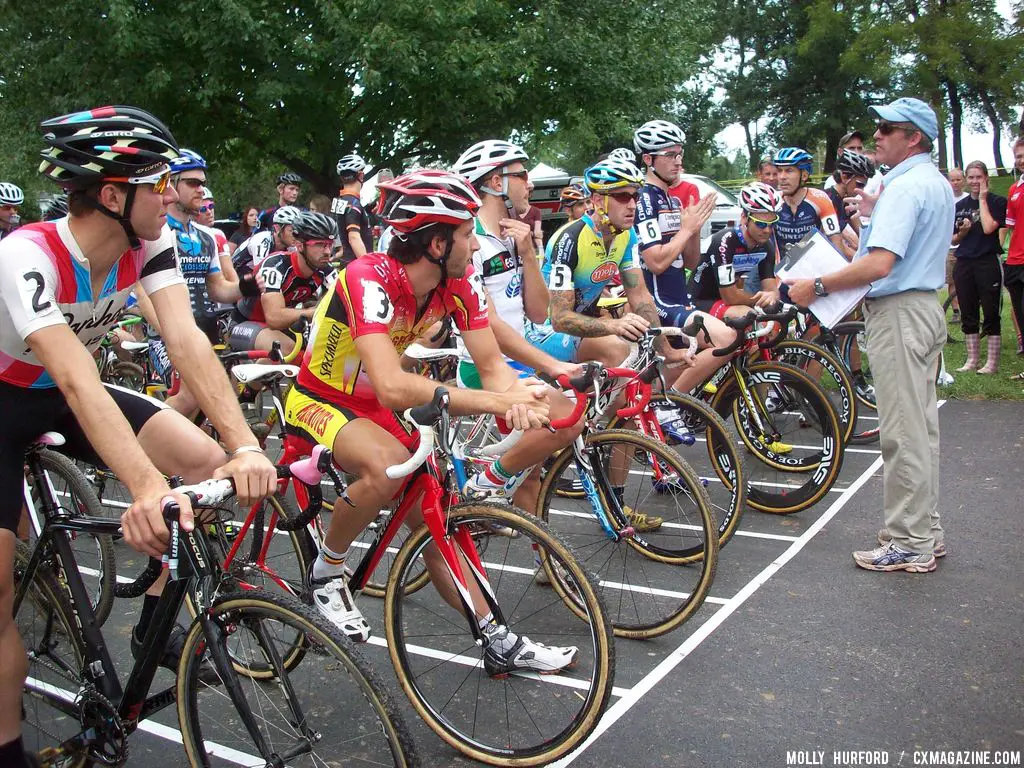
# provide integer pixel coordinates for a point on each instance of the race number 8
(830, 225)
(561, 278)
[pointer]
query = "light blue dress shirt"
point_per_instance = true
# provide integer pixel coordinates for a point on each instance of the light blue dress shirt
(913, 218)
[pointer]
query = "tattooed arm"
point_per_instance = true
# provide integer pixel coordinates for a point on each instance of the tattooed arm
(565, 320)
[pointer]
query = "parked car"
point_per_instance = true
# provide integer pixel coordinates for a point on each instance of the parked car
(727, 208)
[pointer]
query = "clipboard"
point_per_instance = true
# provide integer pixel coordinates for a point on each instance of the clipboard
(814, 257)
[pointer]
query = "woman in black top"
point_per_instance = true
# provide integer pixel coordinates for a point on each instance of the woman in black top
(978, 275)
(250, 221)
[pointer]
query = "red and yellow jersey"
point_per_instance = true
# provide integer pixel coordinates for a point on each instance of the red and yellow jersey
(373, 295)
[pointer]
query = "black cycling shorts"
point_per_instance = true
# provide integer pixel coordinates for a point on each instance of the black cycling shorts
(27, 413)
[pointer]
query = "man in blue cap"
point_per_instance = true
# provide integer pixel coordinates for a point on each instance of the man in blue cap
(902, 257)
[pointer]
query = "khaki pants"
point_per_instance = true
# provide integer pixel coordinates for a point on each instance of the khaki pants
(905, 334)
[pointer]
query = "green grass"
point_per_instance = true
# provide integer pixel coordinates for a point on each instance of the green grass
(1000, 185)
(971, 386)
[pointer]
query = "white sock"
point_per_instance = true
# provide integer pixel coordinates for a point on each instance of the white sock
(328, 563)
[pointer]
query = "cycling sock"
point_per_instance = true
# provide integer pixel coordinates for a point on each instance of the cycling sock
(502, 643)
(149, 603)
(497, 474)
(13, 753)
(328, 563)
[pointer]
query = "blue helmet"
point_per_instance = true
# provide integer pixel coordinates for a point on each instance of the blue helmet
(612, 173)
(188, 160)
(793, 156)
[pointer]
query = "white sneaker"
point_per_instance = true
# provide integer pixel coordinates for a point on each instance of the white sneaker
(527, 656)
(332, 598)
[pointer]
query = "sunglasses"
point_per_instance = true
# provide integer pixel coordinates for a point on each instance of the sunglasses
(160, 181)
(524, 174)
(624, 197)
(205, 208)
(12, 208)
(194, 183)
(887, 129)
(760, 224)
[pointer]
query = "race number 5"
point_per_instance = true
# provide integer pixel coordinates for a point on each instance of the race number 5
(561, 278)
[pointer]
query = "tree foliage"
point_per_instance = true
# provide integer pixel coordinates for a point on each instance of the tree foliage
(264, 85)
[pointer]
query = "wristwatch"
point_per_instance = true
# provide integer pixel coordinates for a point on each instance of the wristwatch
(819, 287)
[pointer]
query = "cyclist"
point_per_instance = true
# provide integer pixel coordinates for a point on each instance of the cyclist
(288, 187)
(851, 174)
(510, 271)
(57, 209)
(623, 153)
(850, 142)
(353, 220)
(575, 201)
(280, 237)
(11, 199)
(805, 209)
(351, 381)
(290, 279)
(734, 253)
(114, 162)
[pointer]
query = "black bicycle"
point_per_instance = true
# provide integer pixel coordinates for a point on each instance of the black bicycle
(325, 707)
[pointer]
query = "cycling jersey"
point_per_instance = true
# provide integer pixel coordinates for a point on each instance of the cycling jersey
(373, 295)
(352, 217)
(686, 192)
(252, 252)
(196, 249)
(45, 280)
(728, 259)
(657, 221)
(266, 219)
(280, 273)
(500, 267)
(576, 258)
(839, 206)
(1015, 219)
(815, 211)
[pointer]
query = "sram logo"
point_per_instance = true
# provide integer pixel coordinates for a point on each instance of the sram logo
(604, 272)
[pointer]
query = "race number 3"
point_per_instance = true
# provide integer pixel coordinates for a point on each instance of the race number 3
(561, 278)
(377, 306)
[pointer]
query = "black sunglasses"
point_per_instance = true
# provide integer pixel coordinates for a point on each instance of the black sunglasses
(887, 128)
(624, 197)
(524, 175)
(194, 183)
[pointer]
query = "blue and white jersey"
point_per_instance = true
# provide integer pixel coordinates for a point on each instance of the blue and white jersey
(658, 219)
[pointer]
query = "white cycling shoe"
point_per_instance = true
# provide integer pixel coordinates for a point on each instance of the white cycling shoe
(332, 598)
(526, 656)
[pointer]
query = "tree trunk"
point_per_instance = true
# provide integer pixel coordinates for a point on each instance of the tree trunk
(940, 113)
(956, 111)
(997, 128)
(831, 147)
(751, 153)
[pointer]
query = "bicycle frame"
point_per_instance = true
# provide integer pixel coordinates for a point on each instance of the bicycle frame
(196, 572)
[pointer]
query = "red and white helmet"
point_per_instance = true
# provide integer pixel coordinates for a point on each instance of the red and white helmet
(758, 197)
(421, 198)
(487, 156)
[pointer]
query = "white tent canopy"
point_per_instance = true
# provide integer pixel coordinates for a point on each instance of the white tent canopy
(544, 172)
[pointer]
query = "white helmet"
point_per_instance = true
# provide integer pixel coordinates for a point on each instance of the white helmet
(286, 214)
(487, 156)
(350, 165)
(622, 153)
(207, 193)
(11, 194)
(760, 198)
(656, 135)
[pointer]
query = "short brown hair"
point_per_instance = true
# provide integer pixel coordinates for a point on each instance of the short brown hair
(83, 201)
(976, 164)
(410, 248)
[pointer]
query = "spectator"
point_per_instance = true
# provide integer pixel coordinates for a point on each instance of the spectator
(978, 275)
(852, 141)
(320, 204)
(1014, 272)
(11, 199)
(250, 223)
(901, 257)
(767, 173)
(956, 181)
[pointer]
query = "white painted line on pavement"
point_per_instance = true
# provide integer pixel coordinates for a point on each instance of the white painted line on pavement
(638, 691)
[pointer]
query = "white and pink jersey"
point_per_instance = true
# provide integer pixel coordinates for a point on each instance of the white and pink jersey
(45, 280)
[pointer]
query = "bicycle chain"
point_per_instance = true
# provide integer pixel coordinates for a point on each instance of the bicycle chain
(112, 730)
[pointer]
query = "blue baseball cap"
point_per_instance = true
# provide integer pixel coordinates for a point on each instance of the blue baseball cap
(910, 110)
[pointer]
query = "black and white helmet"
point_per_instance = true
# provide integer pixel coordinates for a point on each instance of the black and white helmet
(315, 226)
(57, 209)
(11, 194)
(622, 153)
(758, 197)
(350, 165)
(290, 178)
(486, 157)
(656, 135)
(286, 214)
(855, 164)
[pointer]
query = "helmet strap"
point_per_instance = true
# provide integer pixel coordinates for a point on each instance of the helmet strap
(665, 181)
(606, 222)
(124, 219)
(442, 263)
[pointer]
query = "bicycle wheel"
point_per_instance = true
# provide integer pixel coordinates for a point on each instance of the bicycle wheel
(793, 435)
(651, 581)
(851, 336)
(94, 553)
(272, 561)
(522, 718)
(332, 710)
(128, 375)
(56, 656)
(719, 464)
(831, 373)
